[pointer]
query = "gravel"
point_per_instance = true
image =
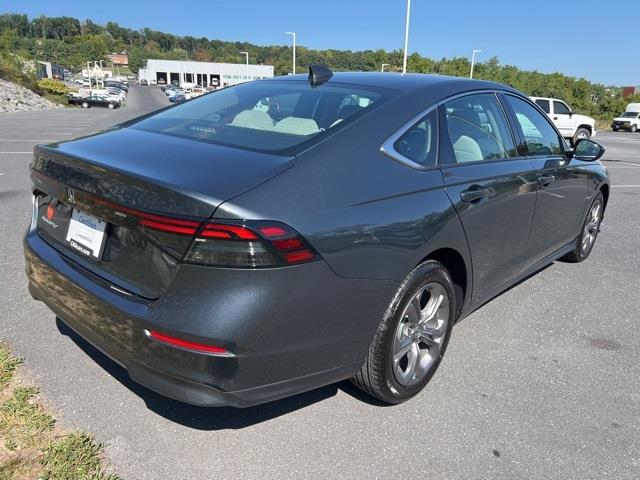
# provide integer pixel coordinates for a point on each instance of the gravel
(14, 98)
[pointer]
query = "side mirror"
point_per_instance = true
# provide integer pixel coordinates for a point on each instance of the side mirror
(588, 150)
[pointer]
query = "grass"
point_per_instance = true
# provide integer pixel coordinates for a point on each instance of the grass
(31, 446)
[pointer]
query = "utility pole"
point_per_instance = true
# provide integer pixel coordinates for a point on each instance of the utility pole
(473, 61)
(293, 39)
(246, 73)
(406, 38)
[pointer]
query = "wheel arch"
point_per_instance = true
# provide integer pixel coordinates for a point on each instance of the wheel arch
(604, 188)
(455, 264)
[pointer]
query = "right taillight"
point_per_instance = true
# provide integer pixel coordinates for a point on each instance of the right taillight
(257, 244)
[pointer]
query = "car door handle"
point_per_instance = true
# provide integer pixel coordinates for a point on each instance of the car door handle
(475, 194)
(555, 118)
(546, 180)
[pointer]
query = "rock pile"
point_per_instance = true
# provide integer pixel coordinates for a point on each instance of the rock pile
(14, 98)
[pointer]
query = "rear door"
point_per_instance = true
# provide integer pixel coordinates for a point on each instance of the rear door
(491, 187)
(561, 181)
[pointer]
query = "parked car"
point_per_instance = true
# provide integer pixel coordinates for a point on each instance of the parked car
(95, 100)
(177, 98)
(143, 82)
(109, 96)
(174, 91)
(153, 82)
(161, 81)
(231, 256)
(573, 126)
(629, 121)
(120, 85)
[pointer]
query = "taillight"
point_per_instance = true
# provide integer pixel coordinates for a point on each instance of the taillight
(254, 244)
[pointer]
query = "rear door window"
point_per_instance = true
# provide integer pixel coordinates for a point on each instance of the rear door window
(544, 105)
(477, 129)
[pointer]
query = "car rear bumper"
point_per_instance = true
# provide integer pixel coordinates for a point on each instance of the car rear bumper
(308, 333)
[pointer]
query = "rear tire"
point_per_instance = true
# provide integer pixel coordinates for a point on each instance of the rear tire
(111, 106)
(85, 105)
(412, 338)
(633, 129)
(589, 231)
(581, 133)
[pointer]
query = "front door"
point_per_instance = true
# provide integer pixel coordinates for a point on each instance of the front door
(562, 181)
(492, 189)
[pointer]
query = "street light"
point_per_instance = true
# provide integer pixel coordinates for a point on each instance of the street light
(384, 65)
(473, 61)
(406, 38)
(246, 54)
(293, 39)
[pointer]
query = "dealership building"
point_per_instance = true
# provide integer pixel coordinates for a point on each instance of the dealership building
(203, 73)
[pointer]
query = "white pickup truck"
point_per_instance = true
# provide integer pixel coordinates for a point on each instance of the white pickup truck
(572, 126)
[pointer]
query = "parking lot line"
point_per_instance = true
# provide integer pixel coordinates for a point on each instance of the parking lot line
(17, 152)
(625, 186)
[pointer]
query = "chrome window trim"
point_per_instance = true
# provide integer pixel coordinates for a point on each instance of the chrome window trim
(388, 149)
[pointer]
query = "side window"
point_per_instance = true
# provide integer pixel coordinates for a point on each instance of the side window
(560, 108)
(418, 144)
(540, 137)
(478, 129)
(544, 105)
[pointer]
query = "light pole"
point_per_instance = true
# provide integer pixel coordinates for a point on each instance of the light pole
(473, 61)
(246, 74)
(406, 38)
(293, 39)
(384, 65)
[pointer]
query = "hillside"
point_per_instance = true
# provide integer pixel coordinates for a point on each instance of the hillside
(71, 43)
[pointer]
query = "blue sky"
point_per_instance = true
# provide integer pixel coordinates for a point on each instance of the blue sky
(597, 41)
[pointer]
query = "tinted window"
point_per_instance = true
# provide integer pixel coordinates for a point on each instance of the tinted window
(540, 137)
(265, 116)
(560, 108)
(544, 105)
(477, 129)
(419, 142)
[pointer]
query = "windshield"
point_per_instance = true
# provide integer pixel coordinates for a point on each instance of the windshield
(630, 114)
(265, 116)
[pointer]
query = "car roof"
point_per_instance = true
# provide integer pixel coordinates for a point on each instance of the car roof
(408, 82)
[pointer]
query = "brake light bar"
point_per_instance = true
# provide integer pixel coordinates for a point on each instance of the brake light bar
(187, 345)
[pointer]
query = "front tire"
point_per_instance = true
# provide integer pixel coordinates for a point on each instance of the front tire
(589, 232)
(85, 105)
(111, 106)
(412, 338)
(633, 129)
(581, 134)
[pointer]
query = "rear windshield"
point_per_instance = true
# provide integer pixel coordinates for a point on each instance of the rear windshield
(268, 116)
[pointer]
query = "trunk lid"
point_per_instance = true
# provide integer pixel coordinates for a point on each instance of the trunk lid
(145, 191)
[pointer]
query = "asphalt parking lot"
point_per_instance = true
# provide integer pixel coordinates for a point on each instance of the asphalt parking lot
(543, 382)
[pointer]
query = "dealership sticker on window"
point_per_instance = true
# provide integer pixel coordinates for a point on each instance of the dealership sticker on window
(86, 233)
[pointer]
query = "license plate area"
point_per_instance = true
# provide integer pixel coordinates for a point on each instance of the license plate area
(86, 234)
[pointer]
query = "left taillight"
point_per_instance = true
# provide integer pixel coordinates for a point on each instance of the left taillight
(254, 244)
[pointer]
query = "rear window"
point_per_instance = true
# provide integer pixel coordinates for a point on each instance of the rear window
(268, 116)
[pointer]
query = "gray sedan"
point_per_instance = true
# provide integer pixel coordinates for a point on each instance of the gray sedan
(283, 234)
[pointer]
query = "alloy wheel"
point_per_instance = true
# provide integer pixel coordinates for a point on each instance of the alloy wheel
(591, 227)
(420, 334)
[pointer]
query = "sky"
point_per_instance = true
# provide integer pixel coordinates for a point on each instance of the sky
(584, 38)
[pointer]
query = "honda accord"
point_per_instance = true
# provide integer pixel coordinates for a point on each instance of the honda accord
(284, 234)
